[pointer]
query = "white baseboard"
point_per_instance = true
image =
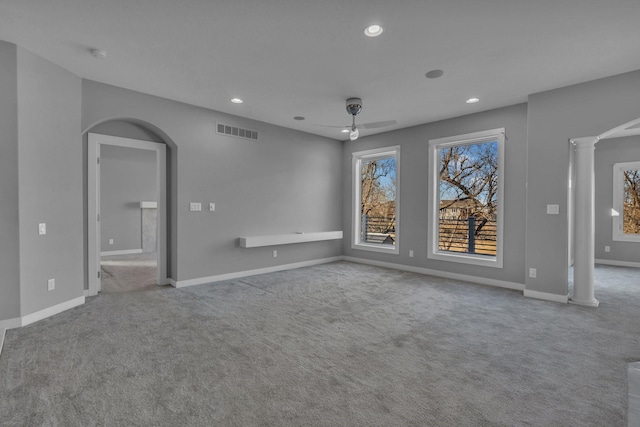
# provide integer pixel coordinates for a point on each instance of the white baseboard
(11, 323)
(50, 311)
(246, 273)
(122, 252)
(618, 263)
(2, 331)
(439, 273)
(41, 314)
(546, 296)
(172, 282)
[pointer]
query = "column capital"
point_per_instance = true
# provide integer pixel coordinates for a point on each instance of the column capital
(585, 141)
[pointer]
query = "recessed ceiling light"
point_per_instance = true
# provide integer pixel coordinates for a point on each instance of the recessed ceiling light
(298, 118)
(373, 30)
(434, 74)
(237, 100)
(345, 131)
(472, 100)
(98, 53)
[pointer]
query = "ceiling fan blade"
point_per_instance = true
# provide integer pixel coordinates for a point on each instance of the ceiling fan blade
(336, 127)
(375, 125)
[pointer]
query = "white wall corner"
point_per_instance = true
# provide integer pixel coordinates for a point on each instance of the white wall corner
(546, 296)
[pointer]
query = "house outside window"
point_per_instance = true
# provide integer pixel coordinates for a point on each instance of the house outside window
(465, 198)
(376, 199)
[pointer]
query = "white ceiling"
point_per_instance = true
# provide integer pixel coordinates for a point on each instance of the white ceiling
(289, 58)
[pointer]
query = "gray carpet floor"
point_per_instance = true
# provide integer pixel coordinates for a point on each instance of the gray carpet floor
(340, 344)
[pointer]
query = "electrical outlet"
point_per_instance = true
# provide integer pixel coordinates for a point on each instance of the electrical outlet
(51, 284)
(533, 272)
(411, 254)
(275, 253)
(195, 207)
(111, 241)
(607, 248)
(42, 228)
(553, 209)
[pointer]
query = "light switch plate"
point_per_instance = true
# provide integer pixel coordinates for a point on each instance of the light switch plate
(51, 284)
(212, 207)
(195, 207)
(553, 209)
(42, 228)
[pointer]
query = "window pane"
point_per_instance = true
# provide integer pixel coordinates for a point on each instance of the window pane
(468, 198)
(378, 201)
(631, 202)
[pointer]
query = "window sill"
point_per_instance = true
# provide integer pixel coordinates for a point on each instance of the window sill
(376, 248)
(480, 260)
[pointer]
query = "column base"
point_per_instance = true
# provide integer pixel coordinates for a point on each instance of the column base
(592, 303)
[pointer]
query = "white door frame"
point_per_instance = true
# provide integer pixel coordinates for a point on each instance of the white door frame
(93, 202)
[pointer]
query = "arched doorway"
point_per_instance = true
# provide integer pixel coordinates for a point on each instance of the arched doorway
(135, 136)
(584, 211)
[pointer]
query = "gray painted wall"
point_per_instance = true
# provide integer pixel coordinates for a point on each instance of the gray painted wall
(9, 220)
(414, 178)
(586, 109)
(287, 181)
(608, 152)
(50, 177)
(127, 177)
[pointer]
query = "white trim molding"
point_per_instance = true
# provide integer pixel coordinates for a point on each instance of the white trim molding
(617, 212)
(564, 299)
(2, 331)
(122, 252)
(433, 199)
(41, 314)
(246, 273)
(618, 263)
(357, 158)
(53, 310)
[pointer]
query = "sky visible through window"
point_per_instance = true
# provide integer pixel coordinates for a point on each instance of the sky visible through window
(469, 172)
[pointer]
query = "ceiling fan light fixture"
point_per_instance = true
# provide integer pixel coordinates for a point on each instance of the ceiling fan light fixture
(354, 134)
(373, 30)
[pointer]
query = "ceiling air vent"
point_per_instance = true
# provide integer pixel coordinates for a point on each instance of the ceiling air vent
(237, 132)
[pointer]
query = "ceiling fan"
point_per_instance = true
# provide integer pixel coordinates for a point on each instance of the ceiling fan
(354, 107)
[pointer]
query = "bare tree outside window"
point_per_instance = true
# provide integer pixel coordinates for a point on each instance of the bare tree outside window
(468, 190)
(378, 201)
(631, 202)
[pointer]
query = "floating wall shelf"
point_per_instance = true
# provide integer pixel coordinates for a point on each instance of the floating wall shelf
(285, 239)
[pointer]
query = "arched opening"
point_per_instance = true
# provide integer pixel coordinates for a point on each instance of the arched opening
(584, 211)
(118, 135)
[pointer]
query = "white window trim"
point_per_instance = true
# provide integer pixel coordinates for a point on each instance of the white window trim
(356, 158)
(618, 193)
(434, 198)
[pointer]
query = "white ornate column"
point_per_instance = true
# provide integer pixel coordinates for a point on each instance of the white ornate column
(584, 236)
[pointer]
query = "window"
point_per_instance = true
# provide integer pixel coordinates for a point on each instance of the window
(626, 201)
(465, 198)
(376, 199)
